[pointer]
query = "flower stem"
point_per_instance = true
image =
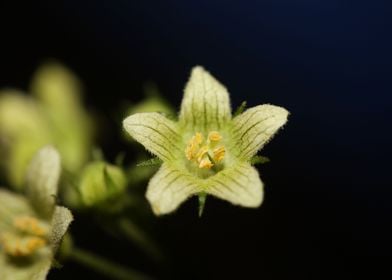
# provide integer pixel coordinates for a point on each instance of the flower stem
(105, 267)
(134, 233)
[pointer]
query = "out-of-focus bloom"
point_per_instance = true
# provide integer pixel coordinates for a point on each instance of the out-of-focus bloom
(53, 115)
(100, 183)
(206, 151)
(32, 226)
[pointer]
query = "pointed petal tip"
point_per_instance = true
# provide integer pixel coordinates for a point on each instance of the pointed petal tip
(281, 115)
(42, 179)
(278, 111)
(168, 189)
(198, 68)
(131, 123)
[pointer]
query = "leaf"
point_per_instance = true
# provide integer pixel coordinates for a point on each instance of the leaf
(240, 109)
(202, 197)
(150, 162)
(256, 159)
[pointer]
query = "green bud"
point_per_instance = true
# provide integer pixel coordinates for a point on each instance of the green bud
(100, 182)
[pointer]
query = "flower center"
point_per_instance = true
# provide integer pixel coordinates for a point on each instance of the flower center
(27, 237)
(205, 153)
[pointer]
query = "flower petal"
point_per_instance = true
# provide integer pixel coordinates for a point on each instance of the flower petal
(23, 130)
(56, 86)
(239, 185)
(155, 132)
(206, 103)
(255, 127)
(12, 205)
(42, 180)
(61, 220)
(59, 94)
(169, 188)
(36, 270)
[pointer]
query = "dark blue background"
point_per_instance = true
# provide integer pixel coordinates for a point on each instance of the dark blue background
(328, 199)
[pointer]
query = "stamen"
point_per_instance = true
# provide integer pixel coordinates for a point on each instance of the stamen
(205, 153)
(27, 237)
(214, 136)
(21, 246)
(30, 225)
(193, 146)
(219, 153)
(202, 152)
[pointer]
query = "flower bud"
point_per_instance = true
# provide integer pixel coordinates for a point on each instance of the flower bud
(101, 182)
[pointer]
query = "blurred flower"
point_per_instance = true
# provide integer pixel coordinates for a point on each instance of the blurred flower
(55, 116)
(206, 151)
(100, 183)
(32, 226)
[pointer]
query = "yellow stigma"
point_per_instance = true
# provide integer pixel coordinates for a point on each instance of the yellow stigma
(205, 154)
(27, 237)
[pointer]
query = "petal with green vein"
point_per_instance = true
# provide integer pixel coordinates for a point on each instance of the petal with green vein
(156, 133)
(255, 127)
(169, 188)
(206, 103)
(239, 185)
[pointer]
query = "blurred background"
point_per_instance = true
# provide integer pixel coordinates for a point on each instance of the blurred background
(327, 210)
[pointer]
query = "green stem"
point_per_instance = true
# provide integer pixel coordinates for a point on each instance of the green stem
(105, 267)
(140, 238)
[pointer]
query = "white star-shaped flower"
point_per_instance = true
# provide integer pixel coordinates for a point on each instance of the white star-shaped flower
(207, 151)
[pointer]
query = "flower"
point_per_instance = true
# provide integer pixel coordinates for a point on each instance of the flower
(207, 151)
(32, 226)
(53, 115)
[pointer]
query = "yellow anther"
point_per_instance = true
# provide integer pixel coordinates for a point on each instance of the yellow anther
(34, 243)
(205, 163)
(30, 225)
(198, 138)
(193, 146)
(17, 246)
(201, 153)
(205, 153)
(219, 153)
(214, 136)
